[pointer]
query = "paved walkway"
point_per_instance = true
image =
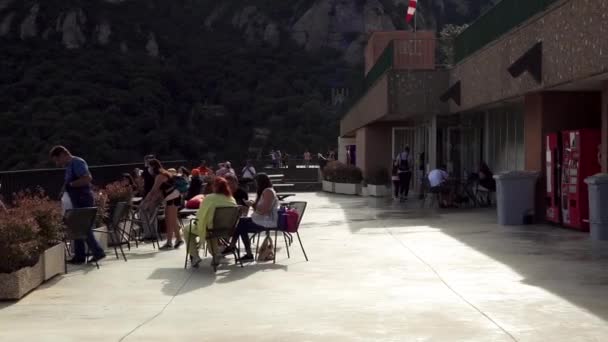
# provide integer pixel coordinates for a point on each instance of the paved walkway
(377, 272)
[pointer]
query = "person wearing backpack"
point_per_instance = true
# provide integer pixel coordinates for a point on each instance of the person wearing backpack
(165, 189)
(403, 163)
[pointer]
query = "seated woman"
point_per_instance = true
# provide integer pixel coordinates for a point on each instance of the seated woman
(265, 215)
(221, 197)
(196, 185)
(486, 177)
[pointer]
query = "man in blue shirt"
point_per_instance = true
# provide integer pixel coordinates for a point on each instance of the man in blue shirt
(77, 184)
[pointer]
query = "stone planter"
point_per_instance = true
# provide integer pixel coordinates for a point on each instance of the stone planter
(363, 191)
(102, 238)
(377, 190)
(347, 188)
(328, 186)
(17, 284)
(54, 261)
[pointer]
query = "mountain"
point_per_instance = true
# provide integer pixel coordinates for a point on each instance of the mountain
(115, 79)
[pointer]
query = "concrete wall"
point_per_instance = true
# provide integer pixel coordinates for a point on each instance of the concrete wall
(374, 147)
(605, 127)
(574, 46)
(549, 112)
(371, 107)
(417, 92)
(422, 42)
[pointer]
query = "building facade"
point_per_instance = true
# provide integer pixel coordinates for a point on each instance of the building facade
(521, 72)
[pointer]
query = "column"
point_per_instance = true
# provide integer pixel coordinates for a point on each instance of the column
(604, 148)
(432, 157)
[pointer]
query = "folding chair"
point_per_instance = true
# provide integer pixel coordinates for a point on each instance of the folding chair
(225, 220)
(483, 196)
(115, 233)
(300, 208)
(78, 222)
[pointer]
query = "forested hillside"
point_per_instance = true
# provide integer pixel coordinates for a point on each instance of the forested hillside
(115, 79)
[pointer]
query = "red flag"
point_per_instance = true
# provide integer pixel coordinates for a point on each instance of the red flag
(411, 11)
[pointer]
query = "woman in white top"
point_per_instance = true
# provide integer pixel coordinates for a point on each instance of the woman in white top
(265, 215)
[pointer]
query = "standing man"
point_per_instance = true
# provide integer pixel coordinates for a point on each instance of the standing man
(403, 163)
(273, 156)
(248, 175)
(279, 158)
(307, 159)
(77, 185)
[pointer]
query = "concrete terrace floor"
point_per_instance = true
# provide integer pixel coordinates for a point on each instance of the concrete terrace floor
(378, 271)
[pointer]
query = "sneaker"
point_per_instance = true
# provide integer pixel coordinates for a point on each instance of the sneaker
(247, 258)
(195, 261)
(178, 244)
(97, 258)
(76, 261)
(167, 246)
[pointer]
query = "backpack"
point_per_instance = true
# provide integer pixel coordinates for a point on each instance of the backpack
(181, 184)
(404, 164)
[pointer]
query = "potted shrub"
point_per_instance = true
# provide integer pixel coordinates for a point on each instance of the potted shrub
(32, 233)
(116, 192)
(329, 173)
(377, 183)
(111, 195)
(346, 179)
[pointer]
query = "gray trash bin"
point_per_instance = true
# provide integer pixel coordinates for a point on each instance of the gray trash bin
(515, 196)
(598, 194)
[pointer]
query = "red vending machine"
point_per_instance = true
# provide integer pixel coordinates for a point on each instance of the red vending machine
(579, 161)
(553, 153)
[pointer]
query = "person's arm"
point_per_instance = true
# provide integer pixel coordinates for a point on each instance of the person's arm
(81, 170)
(158, 181)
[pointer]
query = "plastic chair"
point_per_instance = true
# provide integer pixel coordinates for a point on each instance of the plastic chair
(78, 222)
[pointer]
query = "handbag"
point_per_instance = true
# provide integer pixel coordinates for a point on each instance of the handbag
(266, 252)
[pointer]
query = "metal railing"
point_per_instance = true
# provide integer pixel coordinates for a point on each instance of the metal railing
(498, 20)
(51, 180)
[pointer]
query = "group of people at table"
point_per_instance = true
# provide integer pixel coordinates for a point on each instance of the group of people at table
(439, 180)
(223, 190)
(161, 189)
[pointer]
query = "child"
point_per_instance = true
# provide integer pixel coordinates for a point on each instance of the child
(396, 182)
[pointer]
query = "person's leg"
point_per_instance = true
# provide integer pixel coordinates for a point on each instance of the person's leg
(396, 188)
(408, 178)
(172, 224)
(402, 179)
(79, 251)
(243, 229)
(94, 247)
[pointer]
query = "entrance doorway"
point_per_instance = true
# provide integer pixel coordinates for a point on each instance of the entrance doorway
(417, 138)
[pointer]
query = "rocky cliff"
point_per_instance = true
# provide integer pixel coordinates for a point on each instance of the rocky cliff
(147, 25)
(117, 79)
